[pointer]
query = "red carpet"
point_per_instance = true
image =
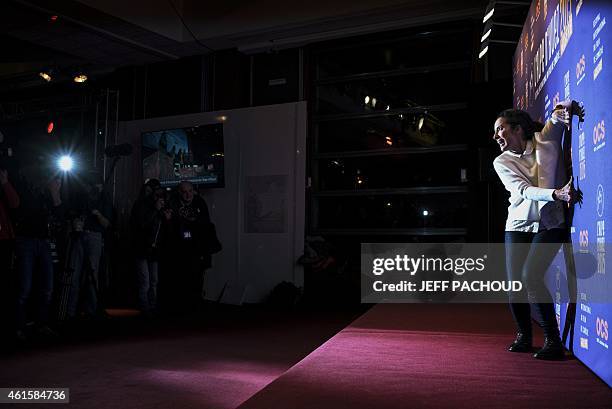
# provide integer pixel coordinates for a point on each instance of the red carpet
(431, 356)
(216, 364)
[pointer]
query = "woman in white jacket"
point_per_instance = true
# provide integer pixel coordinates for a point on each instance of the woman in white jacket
(531, 168)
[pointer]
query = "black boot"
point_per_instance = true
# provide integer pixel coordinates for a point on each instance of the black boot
(552, 349)
(522, 343)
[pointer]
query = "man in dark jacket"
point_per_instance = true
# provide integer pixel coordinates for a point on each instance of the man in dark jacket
(191, 253)
(37, 212)
(9, 200)
(147, 223)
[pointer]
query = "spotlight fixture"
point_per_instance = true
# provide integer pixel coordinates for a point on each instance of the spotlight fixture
(485, 35)
(65, 163)
(489, 12)
(483, 51)
(80, 78)
(46, 75)
(503, 32)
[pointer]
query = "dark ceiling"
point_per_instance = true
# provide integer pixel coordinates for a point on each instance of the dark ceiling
(33, 37)
(71, 35)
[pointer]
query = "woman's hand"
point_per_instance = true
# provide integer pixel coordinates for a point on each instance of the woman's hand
(564, 111)
(568, 194)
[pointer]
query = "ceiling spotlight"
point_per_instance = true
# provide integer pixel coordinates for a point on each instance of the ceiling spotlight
(483, 51)
(485, 36)
(488, 15)
(46, 75)
(80, 78)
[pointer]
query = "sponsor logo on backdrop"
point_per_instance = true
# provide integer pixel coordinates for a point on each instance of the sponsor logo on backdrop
(601, 231)
(602, 330)
(600, 200)
(580, 69)
(567, 27)
(599, 135)
(581, 156)
(584, 343)
(598, 49)
(556, 100)
(601, 246)
(585, 311)
(583, 239)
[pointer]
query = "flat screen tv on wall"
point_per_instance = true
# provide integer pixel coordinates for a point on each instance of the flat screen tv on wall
(193, 154)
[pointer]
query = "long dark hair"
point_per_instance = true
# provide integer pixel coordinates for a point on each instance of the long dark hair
(517, 117)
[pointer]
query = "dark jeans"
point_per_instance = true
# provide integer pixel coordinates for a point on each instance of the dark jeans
(33, 257)
(147, 275)
(182, 280)
(83, 262)
(528, 256)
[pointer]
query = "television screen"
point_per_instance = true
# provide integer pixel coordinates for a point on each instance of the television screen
(193, 154)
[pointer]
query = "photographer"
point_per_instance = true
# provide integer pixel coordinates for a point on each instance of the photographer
(90, 220)
(191, 248)
(147, 228)
(39, 207)
(9, 199)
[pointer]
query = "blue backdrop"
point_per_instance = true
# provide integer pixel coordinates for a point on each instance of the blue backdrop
(561, 55)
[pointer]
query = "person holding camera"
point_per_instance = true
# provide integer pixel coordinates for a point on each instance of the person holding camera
(9, 200)
(38, 207)
(191, 247)
(93, 213)
(147, 227)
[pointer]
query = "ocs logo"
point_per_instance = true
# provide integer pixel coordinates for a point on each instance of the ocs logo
(583, 239)
(601, 327)
(580, 67)
(599, 132)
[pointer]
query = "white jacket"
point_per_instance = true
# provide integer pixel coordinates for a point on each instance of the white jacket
(531, 178)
